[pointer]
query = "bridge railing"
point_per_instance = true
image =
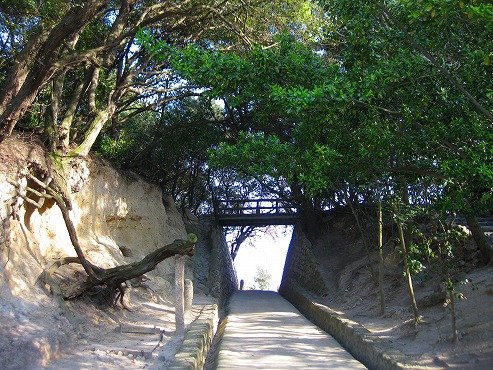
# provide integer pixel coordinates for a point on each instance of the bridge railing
(254, 207)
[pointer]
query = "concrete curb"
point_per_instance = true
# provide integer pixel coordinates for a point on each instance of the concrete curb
(360, 342)
(197, 341)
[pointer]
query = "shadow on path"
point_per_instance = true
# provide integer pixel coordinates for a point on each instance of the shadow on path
(264, 331)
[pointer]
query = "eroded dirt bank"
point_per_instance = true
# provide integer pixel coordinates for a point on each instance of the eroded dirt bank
(119, 219)
(353, 293)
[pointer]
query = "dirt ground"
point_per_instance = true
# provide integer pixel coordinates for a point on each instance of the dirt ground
(36, 331)
(102, 345)
(115, 338)
(428, 344)
(354, 294)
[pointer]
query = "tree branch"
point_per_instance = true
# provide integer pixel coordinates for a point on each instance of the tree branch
(428, 56)
(414, 170)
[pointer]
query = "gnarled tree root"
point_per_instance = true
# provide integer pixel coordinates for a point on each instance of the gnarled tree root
(114, 278)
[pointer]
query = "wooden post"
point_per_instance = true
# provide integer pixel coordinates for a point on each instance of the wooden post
(380, 257)
(188, 298)
(179, 292)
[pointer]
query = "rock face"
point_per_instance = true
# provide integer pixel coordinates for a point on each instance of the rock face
(119, 218)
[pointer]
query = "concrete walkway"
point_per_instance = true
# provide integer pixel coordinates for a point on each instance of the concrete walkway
(264, 331)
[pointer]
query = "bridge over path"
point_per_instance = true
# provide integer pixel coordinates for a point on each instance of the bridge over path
(264, 331)
(255, 212)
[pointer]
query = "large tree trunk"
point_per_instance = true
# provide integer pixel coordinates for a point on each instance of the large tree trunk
(480, 238)
(17, 73)
(95, 127)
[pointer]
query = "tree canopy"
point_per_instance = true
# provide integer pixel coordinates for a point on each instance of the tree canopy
(74, 67)
(393, 89)
(321, 101)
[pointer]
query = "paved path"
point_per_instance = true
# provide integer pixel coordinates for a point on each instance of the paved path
(264, 331)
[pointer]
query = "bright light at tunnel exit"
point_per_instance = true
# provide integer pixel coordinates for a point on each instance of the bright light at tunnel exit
(265, 252)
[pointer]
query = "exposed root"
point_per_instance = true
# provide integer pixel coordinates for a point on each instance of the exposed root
(113, 278)
(47, 278)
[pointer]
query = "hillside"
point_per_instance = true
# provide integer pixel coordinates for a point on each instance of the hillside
(119, 219)
(353, 293)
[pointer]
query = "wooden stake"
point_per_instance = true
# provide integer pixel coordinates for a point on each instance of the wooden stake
(179, 293)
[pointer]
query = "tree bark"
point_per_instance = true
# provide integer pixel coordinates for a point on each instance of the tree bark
(115, 276)
(51, 116)
(481, 240)
(101, 117)
(17, 74)
(407, 272)
(179, 294)
(62, 204)
(45, 63)
(380, 257)
(405, 235)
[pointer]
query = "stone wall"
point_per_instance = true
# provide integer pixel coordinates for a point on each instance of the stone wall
(301, 267)
(197, 341)
(212, 266)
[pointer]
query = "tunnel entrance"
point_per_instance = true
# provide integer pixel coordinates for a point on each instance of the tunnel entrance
(263, 255)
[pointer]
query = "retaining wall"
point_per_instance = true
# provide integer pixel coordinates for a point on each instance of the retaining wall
(197, 341)
(213, 270)
(301, 265)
